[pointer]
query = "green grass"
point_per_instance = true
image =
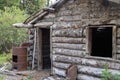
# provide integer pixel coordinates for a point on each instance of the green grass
(2, 77)
(5, 58)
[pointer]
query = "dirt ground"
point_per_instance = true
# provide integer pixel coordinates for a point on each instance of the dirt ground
(26, 75)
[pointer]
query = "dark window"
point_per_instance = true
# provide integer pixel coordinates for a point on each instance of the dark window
(101, 42)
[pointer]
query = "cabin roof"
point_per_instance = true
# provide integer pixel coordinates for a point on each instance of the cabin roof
(41, 13)
(31, 20)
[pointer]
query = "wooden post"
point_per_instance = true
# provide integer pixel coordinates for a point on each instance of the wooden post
(51, 50)
(33, 61)
(88, 41)
(114, 42)
(40, 49)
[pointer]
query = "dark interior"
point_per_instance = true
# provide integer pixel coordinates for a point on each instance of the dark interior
(46, 48)
(102, 42)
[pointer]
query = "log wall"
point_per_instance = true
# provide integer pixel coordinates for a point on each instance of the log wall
(118, 43)
(69, 38)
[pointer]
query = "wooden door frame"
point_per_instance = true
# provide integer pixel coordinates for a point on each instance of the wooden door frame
(40, 56)
(89, 39)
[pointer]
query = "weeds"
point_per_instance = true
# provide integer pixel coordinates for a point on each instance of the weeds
(5, 58)
(109, 76)
(2, 77)
(28, 78)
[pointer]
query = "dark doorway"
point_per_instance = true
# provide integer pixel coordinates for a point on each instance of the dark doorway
(101, 42)
(46, 49)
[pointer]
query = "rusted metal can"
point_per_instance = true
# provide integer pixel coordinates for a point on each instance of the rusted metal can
(19, 58)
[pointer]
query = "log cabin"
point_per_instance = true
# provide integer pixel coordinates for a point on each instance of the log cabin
(81, 32)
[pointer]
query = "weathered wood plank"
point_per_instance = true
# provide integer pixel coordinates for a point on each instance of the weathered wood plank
(96, 72)
(118, 41)
(59, 72)
(69, 52)
(67, 25)
(44, 24)
(114, 41)
(68, 40)
(62, 72)
(69, 17)
(70, 46)
(81, 32)
(118, 56)
(112, 64)
(21, 25)
(87, 77)
(118, 48)
(118, 32)
(50, 16)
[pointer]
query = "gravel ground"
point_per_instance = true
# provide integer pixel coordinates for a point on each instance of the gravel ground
(27, 75)
(7, 74)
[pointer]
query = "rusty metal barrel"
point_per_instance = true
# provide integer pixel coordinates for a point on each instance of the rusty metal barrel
(19, 58)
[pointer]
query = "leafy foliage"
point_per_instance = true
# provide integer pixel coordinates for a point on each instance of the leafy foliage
(28, 78)
(4, 58)
(109, 76)
(9, 3)
(30, 6)
(9, 35)
(2, 77)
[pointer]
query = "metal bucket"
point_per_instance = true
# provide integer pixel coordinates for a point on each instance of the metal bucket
(19, 58)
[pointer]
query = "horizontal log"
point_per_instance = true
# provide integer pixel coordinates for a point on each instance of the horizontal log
(118, 32)
(43, 24)
(87, 77)
(118, 41)
(31, 41)
(31, 36)
(96, 72)
(50, 16)
(118, 48)
(62, 72)
(70, 46)
(88, 62)
(67, 25)
(118, 56)
(59, 72)
(68, 40)
(69, 52)
(68, 18)
(22, 25)
(81, 32)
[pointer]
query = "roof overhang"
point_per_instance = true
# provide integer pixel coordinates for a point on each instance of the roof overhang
(22, 25)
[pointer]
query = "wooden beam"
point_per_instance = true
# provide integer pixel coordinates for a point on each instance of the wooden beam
(114, 42)
(39, 17)
(43, 24)
(22, 25)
